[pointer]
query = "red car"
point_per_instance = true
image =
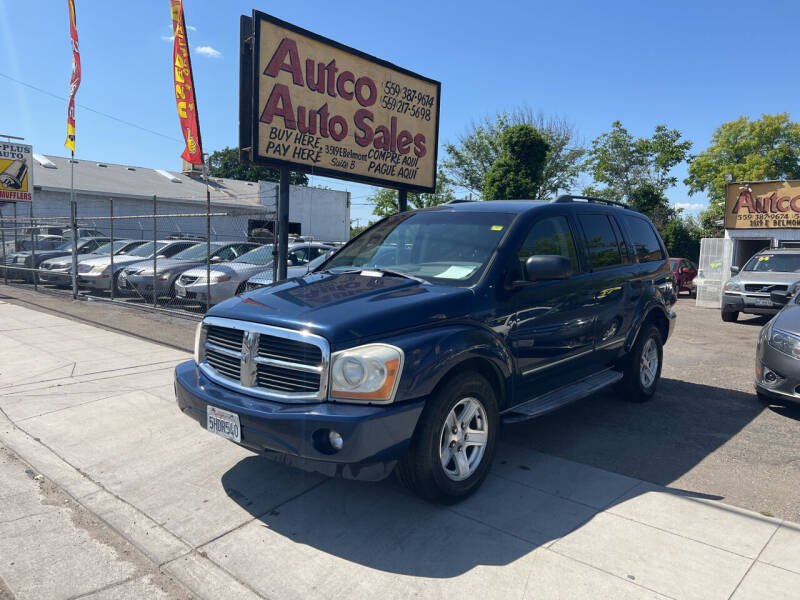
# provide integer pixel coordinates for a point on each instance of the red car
(683, 271)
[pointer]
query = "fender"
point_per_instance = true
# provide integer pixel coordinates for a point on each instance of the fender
(430, 355)
(644, 312)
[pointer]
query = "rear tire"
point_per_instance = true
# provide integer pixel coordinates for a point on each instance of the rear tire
(642, 366)
(443, 464)
(730, 317)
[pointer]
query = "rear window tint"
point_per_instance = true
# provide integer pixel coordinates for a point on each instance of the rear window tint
(644, 240)
(601, 241)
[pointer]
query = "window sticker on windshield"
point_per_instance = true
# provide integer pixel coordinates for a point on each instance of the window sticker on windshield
(765, 257)
(456, 272)
(497, 228)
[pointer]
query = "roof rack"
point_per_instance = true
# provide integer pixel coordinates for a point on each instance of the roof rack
(592, 200)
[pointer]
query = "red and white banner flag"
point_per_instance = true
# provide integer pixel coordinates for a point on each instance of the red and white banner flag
(184, 87)
(75, 80)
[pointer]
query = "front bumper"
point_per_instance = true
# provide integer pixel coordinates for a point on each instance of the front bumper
(788, 368)
(375, 437)
(199, 291)
(143, 284)
(55, 276)
(749, 303)
(95, 281)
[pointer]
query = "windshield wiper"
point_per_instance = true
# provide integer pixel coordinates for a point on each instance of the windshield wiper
(396, 274)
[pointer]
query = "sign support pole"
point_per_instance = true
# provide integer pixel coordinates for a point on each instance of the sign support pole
(402, 200)
(283, 224)
(73, 217)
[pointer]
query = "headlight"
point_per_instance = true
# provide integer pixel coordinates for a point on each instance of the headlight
(732, 286)
(163, 276)
(99, 269)
(785, 342)
(220, 277)
(198, 339)
(367, 373)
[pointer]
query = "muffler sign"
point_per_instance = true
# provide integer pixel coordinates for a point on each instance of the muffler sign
(314, 105)
(16, 172)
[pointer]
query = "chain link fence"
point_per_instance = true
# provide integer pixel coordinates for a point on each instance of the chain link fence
(159, 259)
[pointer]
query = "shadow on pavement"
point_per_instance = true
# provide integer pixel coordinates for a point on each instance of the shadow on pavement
(531, 496)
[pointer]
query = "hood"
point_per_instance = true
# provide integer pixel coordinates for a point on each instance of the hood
(788, 319)
(165, 264)
(232, 268)
(766, 277)
(348, 306)
(120, 261)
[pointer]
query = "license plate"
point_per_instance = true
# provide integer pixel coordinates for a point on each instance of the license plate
(224, 423)
(180, 291)
(762, 301)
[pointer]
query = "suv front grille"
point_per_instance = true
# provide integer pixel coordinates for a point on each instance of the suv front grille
(272, 362)
(764, 288)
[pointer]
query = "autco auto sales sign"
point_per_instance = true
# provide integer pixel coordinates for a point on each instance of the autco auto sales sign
(317, 106)
(763, 205)
(16, 172)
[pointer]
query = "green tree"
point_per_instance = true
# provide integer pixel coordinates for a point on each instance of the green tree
(682, 238)
(386, 199)
(225, 163)
(624, 163)
(355, 230)
(750, 150)
(519, 171)
(648, 200)
(469, 159)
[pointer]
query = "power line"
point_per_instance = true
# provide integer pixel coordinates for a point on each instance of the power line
(83, 106)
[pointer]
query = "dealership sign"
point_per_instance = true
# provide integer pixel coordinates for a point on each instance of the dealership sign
(16, 172)
(314, 105)
(762, 205)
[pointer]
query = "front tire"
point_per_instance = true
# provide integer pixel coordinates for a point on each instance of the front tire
(454, 443)
(730, 317)
(642, 367)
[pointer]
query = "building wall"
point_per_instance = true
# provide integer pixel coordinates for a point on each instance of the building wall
(55, 205)
(322, 214)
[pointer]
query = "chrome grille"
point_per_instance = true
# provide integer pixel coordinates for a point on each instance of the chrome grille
(272, 362)
(764, 287)
(289, 350)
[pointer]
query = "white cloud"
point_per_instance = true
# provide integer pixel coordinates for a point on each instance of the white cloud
(191, 28)
(167, 38)
(689, 205)
(209, 51)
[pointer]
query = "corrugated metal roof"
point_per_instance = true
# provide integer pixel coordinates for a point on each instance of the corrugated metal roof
(115, 180)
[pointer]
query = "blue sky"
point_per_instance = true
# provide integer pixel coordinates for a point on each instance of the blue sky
(689, 64)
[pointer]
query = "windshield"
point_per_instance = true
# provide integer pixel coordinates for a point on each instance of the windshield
(146, 250)
(446, 247)
(65, 246)
(196, 252)
(779, 263)
(105, 248)
(258, 256)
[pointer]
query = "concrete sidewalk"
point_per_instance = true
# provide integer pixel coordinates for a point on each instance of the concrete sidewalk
(93, 412)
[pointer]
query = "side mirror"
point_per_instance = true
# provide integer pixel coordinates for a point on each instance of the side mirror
(734, 270)
(546, 267)
(780, 296)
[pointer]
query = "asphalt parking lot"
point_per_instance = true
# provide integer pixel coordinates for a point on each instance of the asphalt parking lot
(603, 499)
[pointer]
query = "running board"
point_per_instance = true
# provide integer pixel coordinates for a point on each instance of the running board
(562, 396)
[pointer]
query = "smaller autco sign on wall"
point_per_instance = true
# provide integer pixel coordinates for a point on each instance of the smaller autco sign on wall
(314, 105)
(16, 172)
(763, 205)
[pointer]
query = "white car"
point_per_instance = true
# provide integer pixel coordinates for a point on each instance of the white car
(58, 271)
(230, 279)
(265, 277)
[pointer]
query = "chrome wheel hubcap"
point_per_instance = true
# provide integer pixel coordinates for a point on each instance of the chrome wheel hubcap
(463, 439)
(649, 363)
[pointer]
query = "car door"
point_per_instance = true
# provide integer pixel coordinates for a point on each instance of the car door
(549, 323)
(611, 272)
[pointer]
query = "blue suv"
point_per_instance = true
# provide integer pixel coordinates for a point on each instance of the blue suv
(408, 348)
